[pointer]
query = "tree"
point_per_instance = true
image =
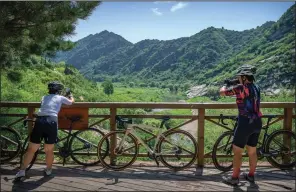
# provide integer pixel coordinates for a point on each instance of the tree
(171, 87)
(152, 84)
(131, 84)
(108, 87)
(186, 86)
(176, 88)
(29, 27)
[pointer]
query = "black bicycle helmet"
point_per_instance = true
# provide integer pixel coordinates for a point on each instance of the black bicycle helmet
(246, 70)
(55, 86)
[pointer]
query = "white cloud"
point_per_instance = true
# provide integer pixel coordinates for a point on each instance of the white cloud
(158, 2)
(177, 6)
(156, 12)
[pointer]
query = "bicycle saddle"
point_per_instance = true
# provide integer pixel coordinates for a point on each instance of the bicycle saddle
(164, 118)
(118, 118)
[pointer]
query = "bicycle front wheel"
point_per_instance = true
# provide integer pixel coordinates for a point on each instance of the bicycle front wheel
(222, 154)
(83, 146)
(122, 154)
(281, 148)
(10, 144)
(178, 149)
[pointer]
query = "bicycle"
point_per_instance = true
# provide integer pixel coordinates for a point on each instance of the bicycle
(75, 145)
(168, 144)
(267, 148)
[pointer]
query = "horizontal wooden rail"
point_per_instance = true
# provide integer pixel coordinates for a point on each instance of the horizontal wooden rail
(159, 105)
(223, 156)
(142, 116)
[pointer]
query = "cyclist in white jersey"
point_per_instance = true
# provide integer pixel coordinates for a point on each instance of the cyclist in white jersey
(46, 127)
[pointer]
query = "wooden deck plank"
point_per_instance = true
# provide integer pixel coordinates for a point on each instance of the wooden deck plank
(218, 186)
(5, 187)
(25, 186)
(259, 178)
(96, 178)
(120, 175)
(92, 178)
(245, 184)
(157, 181)
(129, 178)
(190, 176)
(35, 184)
(195, 180)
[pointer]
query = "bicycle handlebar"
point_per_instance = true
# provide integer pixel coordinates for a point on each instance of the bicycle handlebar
(164, 120)
(222, 118)
(26, 120)
(234, 118)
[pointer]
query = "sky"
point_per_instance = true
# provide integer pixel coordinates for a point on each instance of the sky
(165, 20)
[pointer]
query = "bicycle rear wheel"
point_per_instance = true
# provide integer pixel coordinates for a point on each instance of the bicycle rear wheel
(119, 158)
(83, 146)
(178, 149)
(10, 144)
(222, 154)
(281, 146)
(24, 150)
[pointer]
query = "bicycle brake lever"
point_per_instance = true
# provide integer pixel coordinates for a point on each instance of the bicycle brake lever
(221, 118)
(223, 122)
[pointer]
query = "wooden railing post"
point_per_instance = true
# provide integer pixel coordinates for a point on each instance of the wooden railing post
(30, 116)
(113, 139)
(200, 139)
(288, 113)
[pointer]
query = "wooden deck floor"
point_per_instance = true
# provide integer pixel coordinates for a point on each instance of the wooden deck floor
(141, 178)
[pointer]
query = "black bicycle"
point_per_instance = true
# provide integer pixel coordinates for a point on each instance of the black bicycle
(277, 147)
(80, 145)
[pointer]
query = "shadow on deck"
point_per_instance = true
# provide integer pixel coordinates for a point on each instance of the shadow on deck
(141, 178)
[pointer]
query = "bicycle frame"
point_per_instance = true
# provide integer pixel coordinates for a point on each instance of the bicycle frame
(131, 130)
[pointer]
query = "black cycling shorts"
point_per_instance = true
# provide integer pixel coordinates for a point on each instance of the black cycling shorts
(247, 132)
(45, 128)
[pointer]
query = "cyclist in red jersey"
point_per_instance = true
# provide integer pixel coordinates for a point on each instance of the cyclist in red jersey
(249, 122)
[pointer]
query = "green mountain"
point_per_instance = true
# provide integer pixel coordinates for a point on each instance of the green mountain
(207, 57)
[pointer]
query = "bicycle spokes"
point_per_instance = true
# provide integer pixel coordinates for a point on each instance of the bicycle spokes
(84, 146)
(122, 153)
(281, 148)
(9, 144)
(222, 154)
(177, 149)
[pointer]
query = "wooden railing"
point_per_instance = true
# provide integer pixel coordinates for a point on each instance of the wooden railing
(200, 107)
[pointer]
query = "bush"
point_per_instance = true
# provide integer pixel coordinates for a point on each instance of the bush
(14, 76)
(213, 93)
(131, 84)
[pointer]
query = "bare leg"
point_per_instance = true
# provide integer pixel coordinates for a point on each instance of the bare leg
(33, 147)
(237, 160)
(48, 148)
(252, 159)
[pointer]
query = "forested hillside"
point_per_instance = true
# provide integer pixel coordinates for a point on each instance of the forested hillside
(209, 56)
